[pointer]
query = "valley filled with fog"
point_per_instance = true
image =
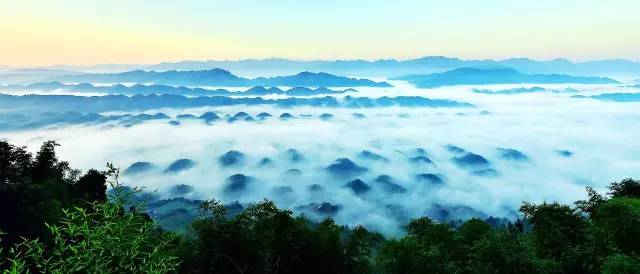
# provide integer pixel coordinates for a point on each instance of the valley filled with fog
(474, 151)
(320, 137)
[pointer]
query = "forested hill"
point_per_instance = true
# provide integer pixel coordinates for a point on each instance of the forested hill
(56, 219)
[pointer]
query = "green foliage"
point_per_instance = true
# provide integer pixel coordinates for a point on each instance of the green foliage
(618, 221)
(33, 191)
(502, 252)
(327, 246)
(625, 188)
(46, 166)
(589, 205)
(358, 250)
(265, 239)
(105, 240)
(59, 222)
(473, 230)
(621, 264)
(15, 164)
(429, 247)
(556, 227)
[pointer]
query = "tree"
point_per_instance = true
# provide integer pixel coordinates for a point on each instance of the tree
(106, 240)
(47, 167)
(618, 220)
(358, 249)
(403, 255)
(327, 252)
(625, 188)
(261, 239)
(594, 200)
(33, 192)
(556, 227)
(15, 164)
(559, 232)
(91, 187)
(473, 230)
(428, 248)
(502, 252)
(621, 264)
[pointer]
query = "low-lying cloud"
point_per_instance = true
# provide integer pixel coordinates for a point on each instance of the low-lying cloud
(379, 166)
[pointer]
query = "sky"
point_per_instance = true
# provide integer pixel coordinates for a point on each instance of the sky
(46, 32)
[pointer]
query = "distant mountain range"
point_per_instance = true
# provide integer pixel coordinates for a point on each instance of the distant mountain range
(394, 68)
(98, 104)
(510, 91)
(383, 67)
(221, 77)
(476, 76)
(267, 69)
(139, 89)
(25, 76)
(614, 97)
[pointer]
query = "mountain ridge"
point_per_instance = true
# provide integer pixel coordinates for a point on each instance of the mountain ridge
(476, 76)
(139, 89)
(378, 67)
(221, 77)
(105, 103)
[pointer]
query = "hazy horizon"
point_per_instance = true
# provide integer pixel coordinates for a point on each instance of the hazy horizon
(575, 61)
(46, 33)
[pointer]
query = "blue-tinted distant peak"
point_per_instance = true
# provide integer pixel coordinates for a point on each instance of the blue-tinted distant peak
(498, 75)
(495, 70)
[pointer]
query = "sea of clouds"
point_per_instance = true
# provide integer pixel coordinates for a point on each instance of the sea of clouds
(602, 137)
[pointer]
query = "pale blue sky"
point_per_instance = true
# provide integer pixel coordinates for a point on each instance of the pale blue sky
(85, 32)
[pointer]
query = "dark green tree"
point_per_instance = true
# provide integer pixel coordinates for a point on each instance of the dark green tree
(625, 188)
(621, 264)
(91, 187)
(15, 164)
(47, 167)
(359, 248)
(429, 247)
(618, 221)
(559, 232)
(503, 252)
